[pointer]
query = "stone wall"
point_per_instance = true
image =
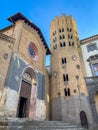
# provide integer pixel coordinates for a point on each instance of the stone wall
(68, 109)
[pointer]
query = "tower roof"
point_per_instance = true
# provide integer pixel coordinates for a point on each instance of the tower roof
(19, 16)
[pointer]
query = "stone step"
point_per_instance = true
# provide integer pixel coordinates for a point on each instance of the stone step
(29, 124)
(38, 128)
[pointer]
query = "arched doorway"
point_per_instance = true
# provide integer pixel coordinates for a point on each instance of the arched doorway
(24, 105)
(83, 118)
(96, 101)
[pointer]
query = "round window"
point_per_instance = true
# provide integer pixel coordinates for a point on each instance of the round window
(33, 51)
(5, 56)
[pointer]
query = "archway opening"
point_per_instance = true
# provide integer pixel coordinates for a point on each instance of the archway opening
(83, 118)
(96, 101)
(24, 105)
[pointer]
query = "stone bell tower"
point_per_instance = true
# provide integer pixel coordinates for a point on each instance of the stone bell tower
(69, 96)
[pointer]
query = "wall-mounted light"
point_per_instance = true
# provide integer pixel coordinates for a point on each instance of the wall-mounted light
(55, 74)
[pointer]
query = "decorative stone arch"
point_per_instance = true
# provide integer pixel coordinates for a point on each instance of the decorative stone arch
(32, 73)
(27, 94)
(92, 94)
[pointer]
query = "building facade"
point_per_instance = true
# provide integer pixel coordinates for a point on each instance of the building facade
(89, 47)
(28, 89)
(22, 70)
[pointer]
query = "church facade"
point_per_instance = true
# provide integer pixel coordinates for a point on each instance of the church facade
(22, 70)
(28, 89)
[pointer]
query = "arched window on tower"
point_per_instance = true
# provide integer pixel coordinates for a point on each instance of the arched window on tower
(60, 44)
(55, 46)
(65, 77)
(60, 37)
(62, 29)
(63, 36)
(64, 44)
(72, 43)
(67, 91)
(63, 60)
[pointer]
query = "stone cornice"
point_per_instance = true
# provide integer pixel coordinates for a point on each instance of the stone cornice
(89, 39)
(6, 38)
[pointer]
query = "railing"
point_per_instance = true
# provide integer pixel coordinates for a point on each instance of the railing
(91, 80)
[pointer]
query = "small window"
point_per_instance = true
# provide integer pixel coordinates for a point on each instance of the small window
(54, 33)
(67, 91)
(60, 37)
(55, 46)
(69, 43)
(72, 43)
(63, 60)
(68, 36)
(67, 29)
(70, 29)
(62, 29)
(64, 44)
(63, 36)
(71, 36)
(55, 39)
(92, 47)
(65, 77)
(61, 44)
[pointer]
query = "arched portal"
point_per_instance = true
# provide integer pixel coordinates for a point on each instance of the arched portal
(93, 96)
(96, 101)
(24, 104)
(83, 118)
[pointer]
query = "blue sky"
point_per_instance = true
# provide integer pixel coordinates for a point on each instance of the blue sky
(41, 12)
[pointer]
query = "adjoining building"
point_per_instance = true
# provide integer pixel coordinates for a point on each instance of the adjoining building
(29, 90)
(89, 48)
